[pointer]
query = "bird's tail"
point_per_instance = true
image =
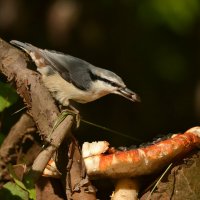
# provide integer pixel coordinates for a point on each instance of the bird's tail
(25, 46)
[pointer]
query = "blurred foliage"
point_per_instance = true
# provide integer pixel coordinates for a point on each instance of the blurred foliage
(179, 15)
(8, 96)
(174, 69)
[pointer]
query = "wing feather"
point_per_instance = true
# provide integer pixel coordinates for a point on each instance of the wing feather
(72, 69)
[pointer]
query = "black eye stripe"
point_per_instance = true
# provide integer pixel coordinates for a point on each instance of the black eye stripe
(96, 77)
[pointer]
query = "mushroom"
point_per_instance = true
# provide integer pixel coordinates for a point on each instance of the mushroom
(126, 166)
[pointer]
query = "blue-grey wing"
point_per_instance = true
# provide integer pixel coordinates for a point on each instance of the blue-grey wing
(73, 70)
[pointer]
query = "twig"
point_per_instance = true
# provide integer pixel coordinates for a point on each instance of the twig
(161, 177)
(62, 131)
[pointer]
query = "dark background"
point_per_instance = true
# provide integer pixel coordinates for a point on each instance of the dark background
(153, 45)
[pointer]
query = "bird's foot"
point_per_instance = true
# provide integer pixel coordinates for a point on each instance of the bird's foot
(72, 111)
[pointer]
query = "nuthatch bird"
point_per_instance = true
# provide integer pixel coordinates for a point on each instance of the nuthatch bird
(70, 78)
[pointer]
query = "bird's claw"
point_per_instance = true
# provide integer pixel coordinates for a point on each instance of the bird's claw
(73, 112)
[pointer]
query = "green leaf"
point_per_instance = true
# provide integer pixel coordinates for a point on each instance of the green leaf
(29, 188)
(12, 191)
(8, 96)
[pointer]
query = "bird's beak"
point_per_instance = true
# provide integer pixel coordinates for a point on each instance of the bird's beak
(128, 94)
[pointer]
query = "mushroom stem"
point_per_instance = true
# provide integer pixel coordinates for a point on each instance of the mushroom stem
(126, 189)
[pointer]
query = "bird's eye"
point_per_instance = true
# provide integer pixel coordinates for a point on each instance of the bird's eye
(114, 84)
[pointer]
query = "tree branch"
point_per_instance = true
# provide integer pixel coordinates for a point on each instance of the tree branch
(63, 130)
(40, 104)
